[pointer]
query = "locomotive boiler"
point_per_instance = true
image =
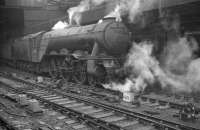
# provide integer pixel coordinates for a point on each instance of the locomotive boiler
(79, 53)
(111, 36)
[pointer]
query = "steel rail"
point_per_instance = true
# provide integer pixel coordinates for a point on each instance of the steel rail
(144, 117)
(148, 118)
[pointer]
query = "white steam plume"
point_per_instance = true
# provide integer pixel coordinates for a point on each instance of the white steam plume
(180, 72)
(74, 12)
(60, 25)
(180, 66)
(132, 8)
(143, 68)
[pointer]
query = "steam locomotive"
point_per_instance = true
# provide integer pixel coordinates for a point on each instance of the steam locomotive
(94, 52)
(83, 54)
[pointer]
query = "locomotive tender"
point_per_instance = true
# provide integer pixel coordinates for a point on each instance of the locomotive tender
(80, 53)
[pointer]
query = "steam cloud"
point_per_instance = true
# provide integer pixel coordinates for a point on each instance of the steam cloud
(180, 65)
(74, 12)
(60, 25)
(179, 69)
(180, 72)
(132, 8)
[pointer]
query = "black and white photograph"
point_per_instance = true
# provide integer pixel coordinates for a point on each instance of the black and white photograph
(99, 64)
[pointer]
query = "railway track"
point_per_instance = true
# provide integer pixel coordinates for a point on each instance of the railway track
(100, 117)
(153, 100)
(165, 101)
(170, 101)
(158, 101)
(15, 116)
(99, 114)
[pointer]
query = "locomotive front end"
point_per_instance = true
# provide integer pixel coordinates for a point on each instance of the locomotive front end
(116, 37)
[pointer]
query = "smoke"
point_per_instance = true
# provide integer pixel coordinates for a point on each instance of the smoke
(177, 71)
(143, 69)
(180, 72)
(74, 12)
(116, 13)
(60, 25)
(131, 8)
(193, 75)
(180, 65)
(178, 56)
(141, 61)
(127, 87)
